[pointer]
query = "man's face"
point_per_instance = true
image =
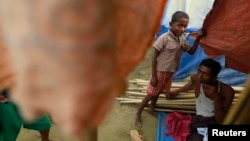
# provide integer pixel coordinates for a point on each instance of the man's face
(204, 74)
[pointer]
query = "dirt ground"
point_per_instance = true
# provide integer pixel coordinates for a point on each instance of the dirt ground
(115, 127)
(120, 119)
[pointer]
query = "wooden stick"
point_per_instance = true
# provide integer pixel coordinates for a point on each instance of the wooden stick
(186, 107)
(171, 110)
(172, 103)
(159, 100)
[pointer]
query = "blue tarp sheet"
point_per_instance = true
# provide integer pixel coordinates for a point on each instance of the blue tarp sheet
(162, 128)
(189, 64)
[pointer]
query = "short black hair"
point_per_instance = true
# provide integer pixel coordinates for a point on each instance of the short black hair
(179, 14)
(213, 65)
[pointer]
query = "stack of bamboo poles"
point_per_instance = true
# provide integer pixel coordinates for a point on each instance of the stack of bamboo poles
(184, 102)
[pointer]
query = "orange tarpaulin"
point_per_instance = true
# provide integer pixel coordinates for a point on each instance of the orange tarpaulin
(227, 26)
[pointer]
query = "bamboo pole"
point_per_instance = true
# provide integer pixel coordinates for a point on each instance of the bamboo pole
(171, 110)
(238, 113)
(172, 103)
(159, 100)
(176, 106)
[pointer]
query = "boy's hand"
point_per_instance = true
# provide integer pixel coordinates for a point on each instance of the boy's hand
(153, 81)
(201, 33)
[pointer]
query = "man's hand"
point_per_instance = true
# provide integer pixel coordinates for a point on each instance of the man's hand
(171, 94)
(210, 91)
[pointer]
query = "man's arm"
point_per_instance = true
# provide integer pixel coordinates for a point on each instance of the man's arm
(223, 102)
(186, 87)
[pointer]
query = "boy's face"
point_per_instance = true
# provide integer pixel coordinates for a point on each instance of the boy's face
(179, 27)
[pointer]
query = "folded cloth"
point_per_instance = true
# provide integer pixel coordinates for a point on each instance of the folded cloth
(178, 124)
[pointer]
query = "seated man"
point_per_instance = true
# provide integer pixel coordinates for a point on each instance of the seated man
(213, 98)
(11, 121)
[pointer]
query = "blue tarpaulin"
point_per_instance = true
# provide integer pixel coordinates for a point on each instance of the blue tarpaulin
(162, 128)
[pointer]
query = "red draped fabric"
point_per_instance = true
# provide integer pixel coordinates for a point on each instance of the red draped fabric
(228, 31)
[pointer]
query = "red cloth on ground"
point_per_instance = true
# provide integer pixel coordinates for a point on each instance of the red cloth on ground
(177, 124)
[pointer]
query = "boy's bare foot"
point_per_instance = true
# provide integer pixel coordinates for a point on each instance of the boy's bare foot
(138, 121)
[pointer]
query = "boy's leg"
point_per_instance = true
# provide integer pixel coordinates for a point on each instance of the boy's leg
(152, 105)
(144, 102)
(41, 125)
(151, 92)
(44, 135)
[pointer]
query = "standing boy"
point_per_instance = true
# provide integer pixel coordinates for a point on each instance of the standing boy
(166, 59)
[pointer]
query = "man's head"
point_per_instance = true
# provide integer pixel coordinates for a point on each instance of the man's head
(208, 70)
(179, 23)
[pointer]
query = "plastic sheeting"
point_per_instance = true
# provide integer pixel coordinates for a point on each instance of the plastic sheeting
(162, 128)
(196, 9)
(227, 26)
